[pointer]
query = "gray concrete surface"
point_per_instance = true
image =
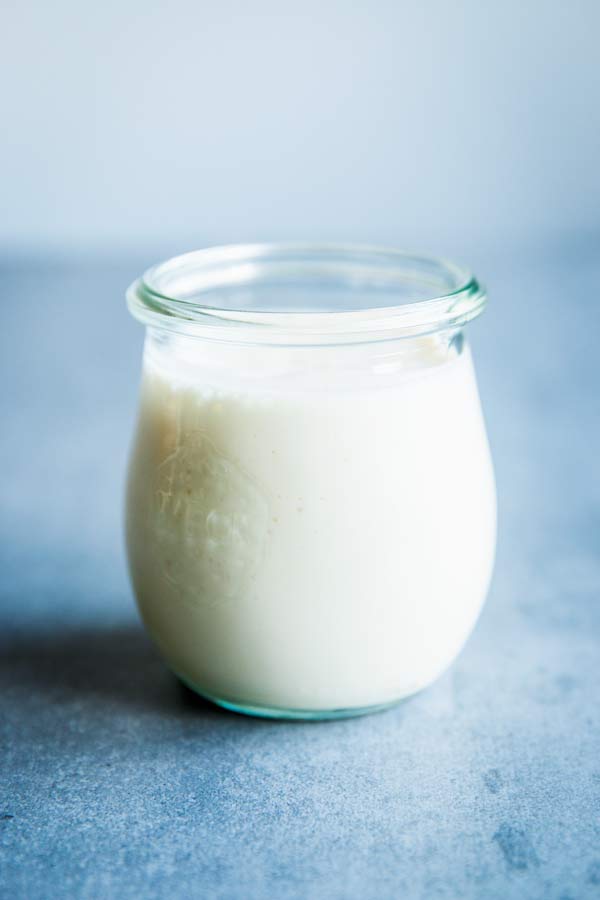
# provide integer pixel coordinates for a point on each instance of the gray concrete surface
(117, 783)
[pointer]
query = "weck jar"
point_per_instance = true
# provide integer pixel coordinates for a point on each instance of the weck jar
(311, 504)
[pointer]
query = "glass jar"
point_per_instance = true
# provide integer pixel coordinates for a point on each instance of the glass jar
(311, 504)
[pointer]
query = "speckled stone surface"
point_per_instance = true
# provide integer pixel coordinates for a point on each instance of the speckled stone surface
(115, 782)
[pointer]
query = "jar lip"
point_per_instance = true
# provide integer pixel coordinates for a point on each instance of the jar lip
(423, 294)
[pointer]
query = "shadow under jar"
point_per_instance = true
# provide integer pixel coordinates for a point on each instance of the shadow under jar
(311, 507)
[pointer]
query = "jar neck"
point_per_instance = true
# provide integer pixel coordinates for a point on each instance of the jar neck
(193, 360)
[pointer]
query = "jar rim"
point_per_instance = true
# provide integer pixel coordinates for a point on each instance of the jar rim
(421, 294)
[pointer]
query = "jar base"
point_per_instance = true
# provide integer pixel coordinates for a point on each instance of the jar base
(274, 712)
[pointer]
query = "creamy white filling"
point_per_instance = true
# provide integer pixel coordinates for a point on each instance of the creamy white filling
(308, 547)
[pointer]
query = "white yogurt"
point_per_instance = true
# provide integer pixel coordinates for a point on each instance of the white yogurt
(300, 543)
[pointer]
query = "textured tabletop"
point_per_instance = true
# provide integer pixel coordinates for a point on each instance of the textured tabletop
(117, 783)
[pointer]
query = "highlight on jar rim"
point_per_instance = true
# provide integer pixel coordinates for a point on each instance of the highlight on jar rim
(311, 510)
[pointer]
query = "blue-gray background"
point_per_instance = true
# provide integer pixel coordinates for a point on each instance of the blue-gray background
(140, 122)
(133, 130)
